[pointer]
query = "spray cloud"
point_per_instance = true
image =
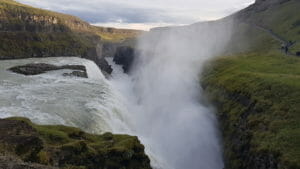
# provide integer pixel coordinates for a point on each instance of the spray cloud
(164, 98)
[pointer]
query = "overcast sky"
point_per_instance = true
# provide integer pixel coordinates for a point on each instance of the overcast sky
(143, 14)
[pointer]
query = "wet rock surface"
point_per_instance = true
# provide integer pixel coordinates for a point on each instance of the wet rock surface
(77, 74)
(39, 68)
(95, 54)
(124, 56)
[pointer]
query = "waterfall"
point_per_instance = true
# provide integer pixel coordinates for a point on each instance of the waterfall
(50, 98)
(160, 100)
(164, 96)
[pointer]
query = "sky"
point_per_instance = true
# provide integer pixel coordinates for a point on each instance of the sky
(143, 14)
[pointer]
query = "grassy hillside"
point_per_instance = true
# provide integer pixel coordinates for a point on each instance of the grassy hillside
(116, 35)
(67, 147)
(258, 97)
(20, 17)
(257, 89)
(282, 18)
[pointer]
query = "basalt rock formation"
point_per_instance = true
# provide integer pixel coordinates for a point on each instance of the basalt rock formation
(124, 56)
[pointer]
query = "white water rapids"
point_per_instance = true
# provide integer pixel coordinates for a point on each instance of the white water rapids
(159, 101)
(50, 98)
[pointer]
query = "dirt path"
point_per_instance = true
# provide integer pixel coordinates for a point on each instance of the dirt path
(284, 43)
(273, 34)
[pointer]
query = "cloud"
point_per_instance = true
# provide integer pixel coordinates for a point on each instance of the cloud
(147, 12)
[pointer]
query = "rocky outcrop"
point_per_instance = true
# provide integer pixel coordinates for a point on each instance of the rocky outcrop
(124, 56)
(96, 54)
(76, 74)
(18, 17)
(109, 49)
(39, 68)
(26, 145)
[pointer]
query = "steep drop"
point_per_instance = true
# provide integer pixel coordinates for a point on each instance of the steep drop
(165, 100)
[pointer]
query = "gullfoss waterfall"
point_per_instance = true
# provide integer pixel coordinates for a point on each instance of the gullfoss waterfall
(164, 97)
(160, 99)
(51, 98)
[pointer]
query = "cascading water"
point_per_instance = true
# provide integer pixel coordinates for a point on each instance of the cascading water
(50, 98)
(160, 100)
(163, 95)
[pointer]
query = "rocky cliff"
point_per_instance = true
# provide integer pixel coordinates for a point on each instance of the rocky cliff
(30, 146)
(31, 32)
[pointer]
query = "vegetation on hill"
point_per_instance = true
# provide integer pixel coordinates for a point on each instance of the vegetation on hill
(256, 89)
(67, 147)
(15, 16)
(31, 32)
(258, 99)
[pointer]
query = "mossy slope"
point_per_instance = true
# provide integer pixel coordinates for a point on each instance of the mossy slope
(67, 147)
(256, 89)
(258, 99)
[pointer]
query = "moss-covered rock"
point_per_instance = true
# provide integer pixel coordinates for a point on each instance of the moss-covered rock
(67, 147)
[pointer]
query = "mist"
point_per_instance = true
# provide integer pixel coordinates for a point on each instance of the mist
(164, 95)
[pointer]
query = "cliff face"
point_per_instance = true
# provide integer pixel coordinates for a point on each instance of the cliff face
(27, 145)
(18, 17)
(258, 109)
(256, 88)
(31, 32)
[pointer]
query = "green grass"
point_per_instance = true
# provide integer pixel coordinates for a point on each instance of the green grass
(31, 32)
(271, 82)
(27, 44)
(116, 35)
(283, 19)
(256, 89)
(73, 148)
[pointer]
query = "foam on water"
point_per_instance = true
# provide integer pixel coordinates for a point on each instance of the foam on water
(50, 98)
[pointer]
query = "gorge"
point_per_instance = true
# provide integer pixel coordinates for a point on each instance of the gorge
(211, 95)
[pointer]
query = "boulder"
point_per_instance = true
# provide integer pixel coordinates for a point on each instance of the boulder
(77, 74)
(39, 68)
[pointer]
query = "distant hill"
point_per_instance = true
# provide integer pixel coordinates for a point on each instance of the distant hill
(19, 17)
(31, 32)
